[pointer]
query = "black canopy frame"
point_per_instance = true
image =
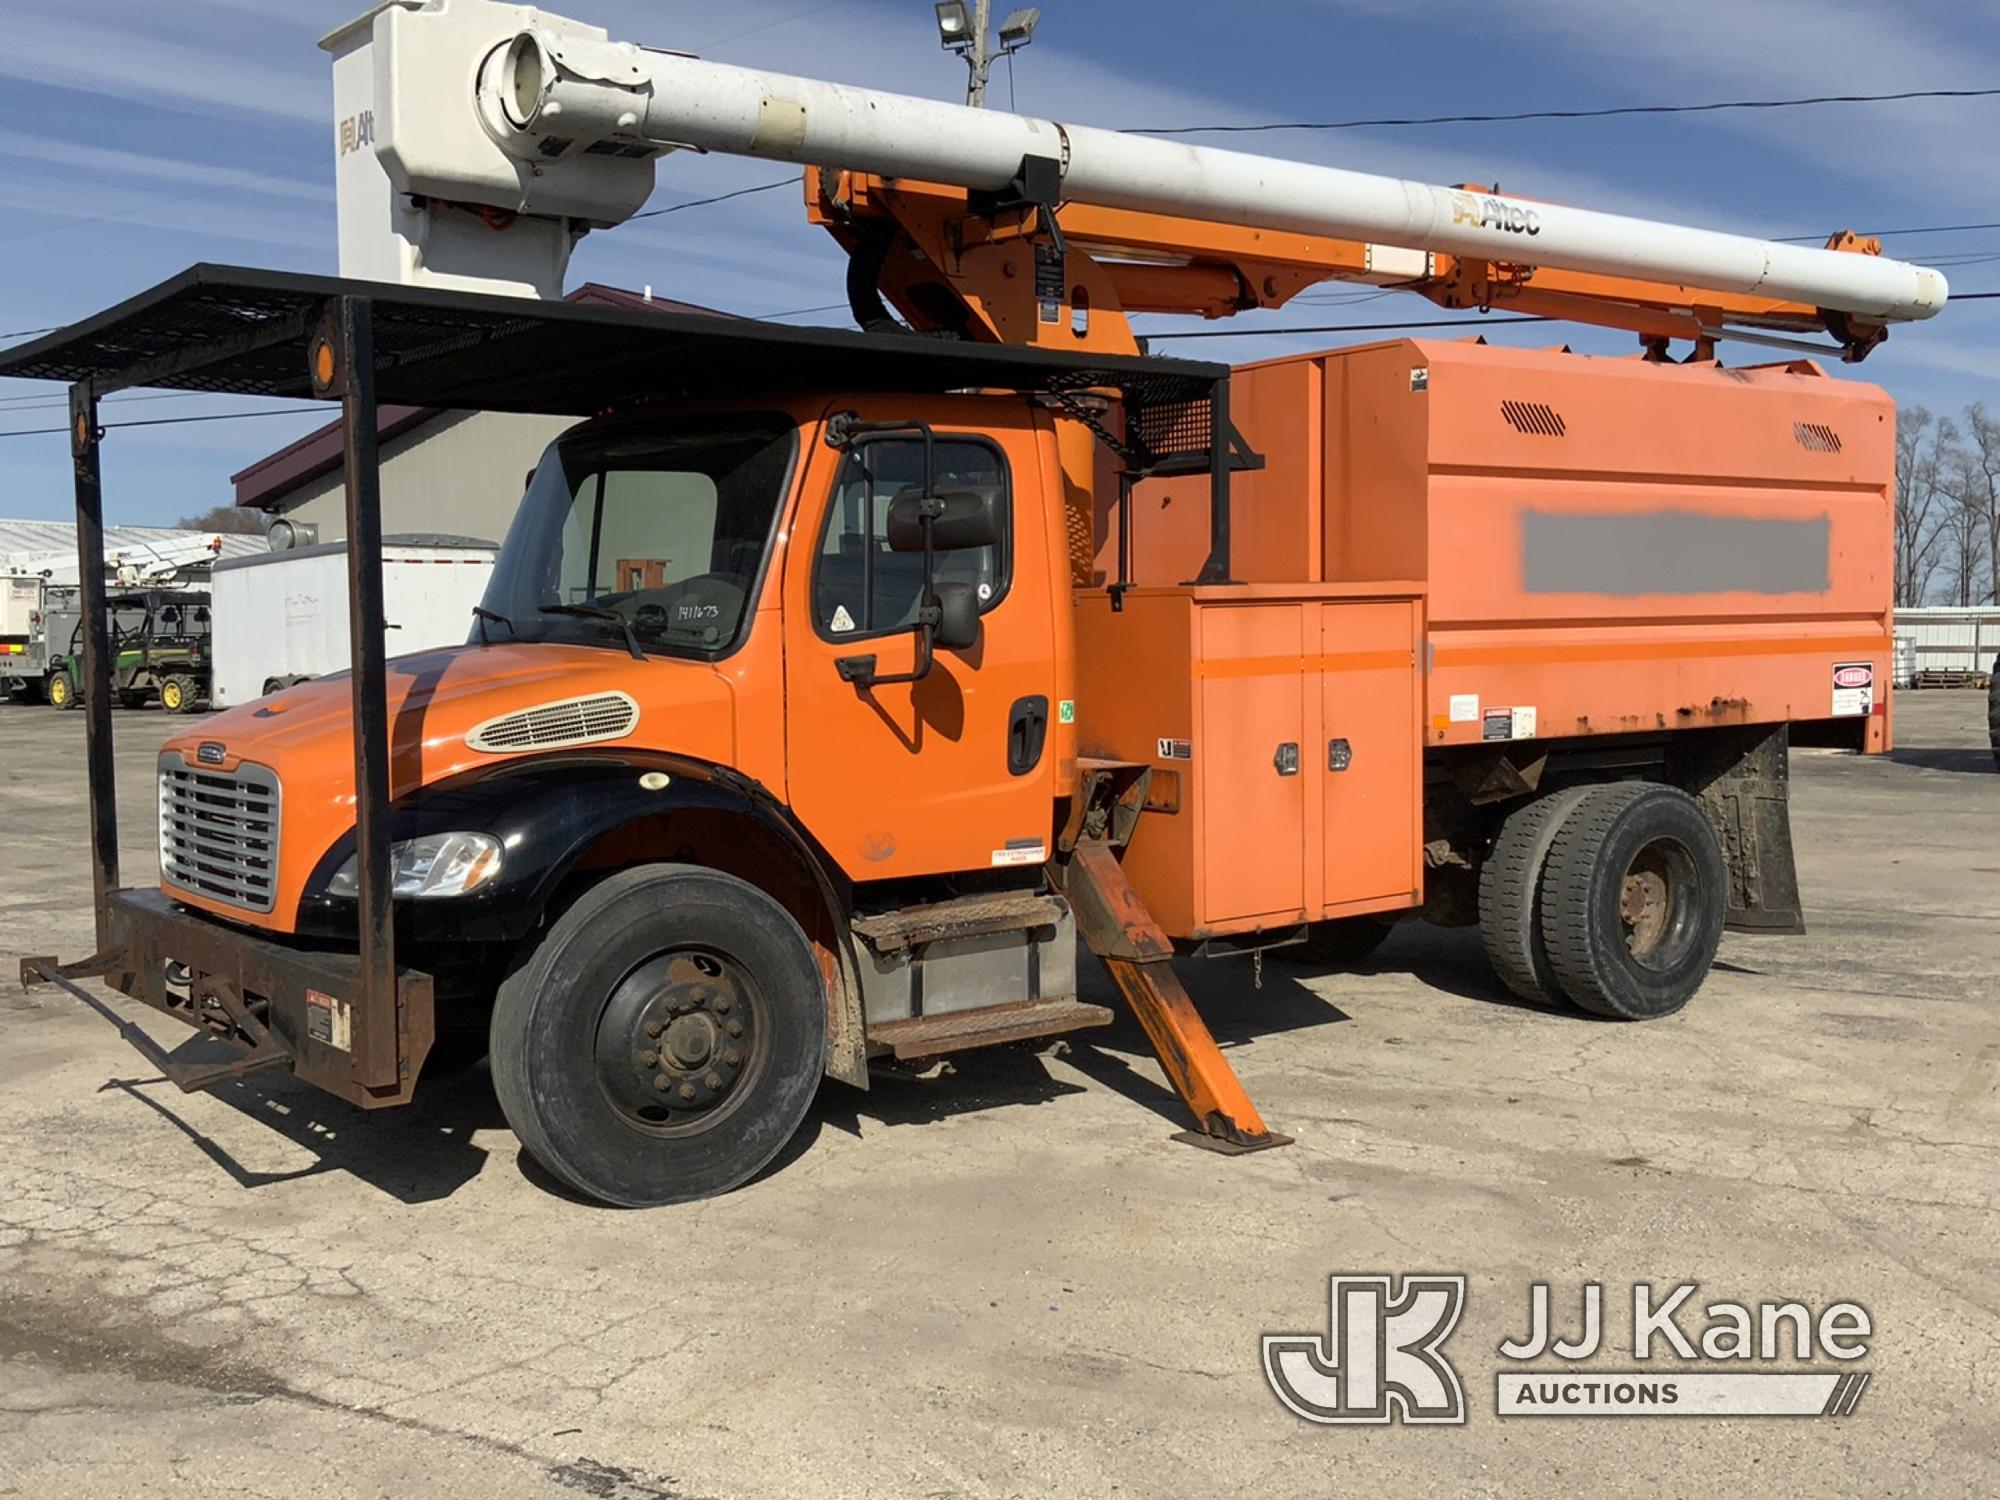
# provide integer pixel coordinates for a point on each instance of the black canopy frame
(230, 330)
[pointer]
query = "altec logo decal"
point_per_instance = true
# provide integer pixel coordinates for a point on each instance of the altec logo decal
(1383, 1357)
(1494, 213)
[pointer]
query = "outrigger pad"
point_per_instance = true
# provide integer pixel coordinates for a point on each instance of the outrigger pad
(1223, 1146)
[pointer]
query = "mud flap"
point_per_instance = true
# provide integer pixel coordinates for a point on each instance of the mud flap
(1743, 782)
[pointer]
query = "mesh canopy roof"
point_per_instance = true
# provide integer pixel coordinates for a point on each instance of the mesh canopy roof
(210, 329)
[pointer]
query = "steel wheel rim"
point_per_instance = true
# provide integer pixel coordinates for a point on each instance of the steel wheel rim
(1655, 903)
(680, 1042)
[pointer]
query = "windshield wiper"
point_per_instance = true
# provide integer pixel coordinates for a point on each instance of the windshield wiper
(592, 612)
(483, 615)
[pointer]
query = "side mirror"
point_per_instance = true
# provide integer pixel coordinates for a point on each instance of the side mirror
(960, 520)
(957, 606)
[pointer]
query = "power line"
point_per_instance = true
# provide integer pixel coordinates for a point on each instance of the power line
(1883, 234)
(22, 333)
(654, 213)
(220, 416)
(737, 36)
(1565, 114)
(1472, 322)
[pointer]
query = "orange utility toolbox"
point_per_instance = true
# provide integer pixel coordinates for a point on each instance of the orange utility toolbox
(1283, 726)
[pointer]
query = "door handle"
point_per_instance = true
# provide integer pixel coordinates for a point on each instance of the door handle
(1027, 732)
(1287, 759)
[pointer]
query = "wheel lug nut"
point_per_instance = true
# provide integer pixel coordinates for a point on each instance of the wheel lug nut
(722, 1004)
(736, 1028)
(649, 1059)
(731, 1058)
(662, 1082)
(654, 1028)
(687, 1091)
(714, 1080)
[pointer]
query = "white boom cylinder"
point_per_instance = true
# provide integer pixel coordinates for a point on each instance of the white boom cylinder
(561, 89)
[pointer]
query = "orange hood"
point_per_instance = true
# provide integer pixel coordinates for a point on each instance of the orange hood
(435, 699)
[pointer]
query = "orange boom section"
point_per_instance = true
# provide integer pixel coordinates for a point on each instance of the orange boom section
(1606, 545)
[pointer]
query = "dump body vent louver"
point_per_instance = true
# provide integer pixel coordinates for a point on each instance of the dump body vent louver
(550, 726)
(219, 832)
(1536, 417)
(1816, 437)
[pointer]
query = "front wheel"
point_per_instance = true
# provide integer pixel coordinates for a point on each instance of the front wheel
(664, 1039)
(62, 690)
(177, 695)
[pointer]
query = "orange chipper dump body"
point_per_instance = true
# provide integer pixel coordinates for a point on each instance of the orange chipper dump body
(1493, 553)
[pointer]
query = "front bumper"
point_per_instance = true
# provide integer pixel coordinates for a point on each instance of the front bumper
(277, 1006)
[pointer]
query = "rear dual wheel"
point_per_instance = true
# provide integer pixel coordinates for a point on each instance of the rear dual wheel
(1610, 897)
(664, 1039)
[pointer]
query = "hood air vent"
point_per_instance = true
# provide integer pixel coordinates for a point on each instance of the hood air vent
(551, 726)
(1816, 437)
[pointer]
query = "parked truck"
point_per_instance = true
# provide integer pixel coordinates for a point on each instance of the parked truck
(282, 617)
(830, 686)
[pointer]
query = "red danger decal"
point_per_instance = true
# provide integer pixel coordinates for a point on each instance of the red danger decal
(1853, 677)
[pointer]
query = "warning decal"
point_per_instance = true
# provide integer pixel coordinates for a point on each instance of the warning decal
(1853, 689)
(842, 621)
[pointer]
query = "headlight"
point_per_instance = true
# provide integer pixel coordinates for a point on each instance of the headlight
(438, 864)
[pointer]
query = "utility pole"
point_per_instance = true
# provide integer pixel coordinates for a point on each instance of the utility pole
(979, 57)
(963, 28)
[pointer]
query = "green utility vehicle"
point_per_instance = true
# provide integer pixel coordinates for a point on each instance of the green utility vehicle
(159, 649)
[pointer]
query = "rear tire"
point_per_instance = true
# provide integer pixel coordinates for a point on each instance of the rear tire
(133, 699)
(1632, 900)
(664, 1039)
(1510, 896)
(62, 691)
(1993, 710)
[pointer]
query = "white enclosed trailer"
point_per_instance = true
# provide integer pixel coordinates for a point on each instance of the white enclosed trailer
(281, 617)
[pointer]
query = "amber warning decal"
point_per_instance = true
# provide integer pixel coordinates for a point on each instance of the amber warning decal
(1853, 689)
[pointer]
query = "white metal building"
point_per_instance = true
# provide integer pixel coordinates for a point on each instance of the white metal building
(131, 553)
(1940, 638)
(456, 473)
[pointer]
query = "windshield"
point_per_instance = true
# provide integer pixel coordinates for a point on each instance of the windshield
(663, 531)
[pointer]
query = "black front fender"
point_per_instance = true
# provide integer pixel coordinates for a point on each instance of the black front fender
(547, 812)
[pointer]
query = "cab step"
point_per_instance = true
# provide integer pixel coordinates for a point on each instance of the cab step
(965, 917)
(956, 1031)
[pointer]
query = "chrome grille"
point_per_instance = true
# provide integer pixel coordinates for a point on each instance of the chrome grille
(575, 721)
(219, 832)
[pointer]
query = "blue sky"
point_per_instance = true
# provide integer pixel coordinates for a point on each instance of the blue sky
(138, 137)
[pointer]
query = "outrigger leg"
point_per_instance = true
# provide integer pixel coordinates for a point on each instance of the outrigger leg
(1139, 954)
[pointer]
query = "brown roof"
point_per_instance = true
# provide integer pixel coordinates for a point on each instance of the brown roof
(273, 477)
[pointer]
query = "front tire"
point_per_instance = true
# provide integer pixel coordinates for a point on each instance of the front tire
(177, 695)
(1633, 900)
(664, 1039)
(62, 691)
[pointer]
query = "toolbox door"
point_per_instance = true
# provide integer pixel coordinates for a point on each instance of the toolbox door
(1251, 759)
(1369, 755)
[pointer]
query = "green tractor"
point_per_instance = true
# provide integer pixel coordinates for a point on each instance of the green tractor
(159, 649)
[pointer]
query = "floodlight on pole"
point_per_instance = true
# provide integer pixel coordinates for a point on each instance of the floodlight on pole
(1019, 28)
(954, 24)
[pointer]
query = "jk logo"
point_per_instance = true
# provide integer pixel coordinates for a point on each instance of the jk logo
(1380, 1361)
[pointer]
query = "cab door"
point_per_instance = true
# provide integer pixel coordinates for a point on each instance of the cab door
(954, 772)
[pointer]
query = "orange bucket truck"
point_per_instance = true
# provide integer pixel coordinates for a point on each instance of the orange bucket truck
(832, 687)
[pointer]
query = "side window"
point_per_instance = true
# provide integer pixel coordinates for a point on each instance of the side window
(860, 587)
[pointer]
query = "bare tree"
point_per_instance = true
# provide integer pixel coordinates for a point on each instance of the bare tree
(1962, 530)
(1924, 449)
(1979, 484)
(240, 520)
